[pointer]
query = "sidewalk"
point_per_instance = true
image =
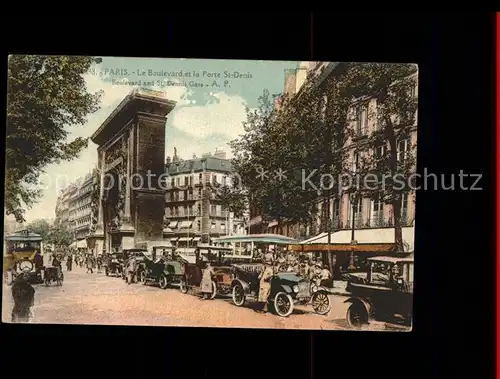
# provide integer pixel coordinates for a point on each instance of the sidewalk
(339, 288)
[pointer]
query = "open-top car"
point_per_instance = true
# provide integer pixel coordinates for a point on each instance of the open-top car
(287, 289)
(114, 264)
(161, 269)
(194, 266)
(383, 293)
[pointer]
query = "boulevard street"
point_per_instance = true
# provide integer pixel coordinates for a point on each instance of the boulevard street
(98, 299)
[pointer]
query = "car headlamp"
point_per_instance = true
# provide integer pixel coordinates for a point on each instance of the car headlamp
(296, 289)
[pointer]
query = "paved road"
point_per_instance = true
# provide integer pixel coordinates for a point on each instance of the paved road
(97, 299)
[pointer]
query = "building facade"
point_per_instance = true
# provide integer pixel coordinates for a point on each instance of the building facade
(73, 209)
(365, 213)
(193, 212)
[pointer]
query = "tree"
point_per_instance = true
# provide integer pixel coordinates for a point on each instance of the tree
(60, 235)
(41, 227)
(46, 94)
(233, 199)
(268, 163)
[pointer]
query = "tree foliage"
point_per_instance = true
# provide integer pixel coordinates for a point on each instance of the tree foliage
(60, 235)
(41, 227)
(45, 95)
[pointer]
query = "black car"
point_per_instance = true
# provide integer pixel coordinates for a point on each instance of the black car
(383, 293)
(287, 289)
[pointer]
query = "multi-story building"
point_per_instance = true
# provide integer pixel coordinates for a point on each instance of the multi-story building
(366, 213)
(193, 212)
(73, 209)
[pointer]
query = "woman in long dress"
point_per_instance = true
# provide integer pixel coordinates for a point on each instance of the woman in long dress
(206, 282)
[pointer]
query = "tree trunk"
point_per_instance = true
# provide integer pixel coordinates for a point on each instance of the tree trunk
(395, 197)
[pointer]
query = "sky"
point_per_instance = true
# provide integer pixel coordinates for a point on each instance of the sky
(203, 120)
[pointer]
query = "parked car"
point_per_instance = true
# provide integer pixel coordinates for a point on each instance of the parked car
(287, 289)
(163, 271)
(193, 267)
(383, 293)
(114, 265)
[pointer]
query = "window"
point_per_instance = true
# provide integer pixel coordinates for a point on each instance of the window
(223, 227)
(378, 204)
(198, 224)
(199, 209)
(404, 203)
(224, 178)
(186, 181)
(181, 195)
(213, 226)
(380, 151)
(172, 182)
(355, 162)
(214, 179)
(190, 195)
(403, 149)
(358, 207)
(361, 119)
(213, 210)
(200, 178)
(177, 181)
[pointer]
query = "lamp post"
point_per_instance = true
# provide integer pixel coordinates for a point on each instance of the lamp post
(353, 198)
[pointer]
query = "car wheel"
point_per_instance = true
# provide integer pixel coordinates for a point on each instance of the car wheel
(321, 303)
(163, 282)
(283, 304)
(183, 285)
(214, 291)
(357, 316)
(238, 295)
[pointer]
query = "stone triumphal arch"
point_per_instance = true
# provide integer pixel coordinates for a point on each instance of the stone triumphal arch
(131, 148)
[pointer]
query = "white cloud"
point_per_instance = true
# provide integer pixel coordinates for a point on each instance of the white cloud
(225, 117)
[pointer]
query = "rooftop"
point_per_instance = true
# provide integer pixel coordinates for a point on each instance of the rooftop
(197, 165)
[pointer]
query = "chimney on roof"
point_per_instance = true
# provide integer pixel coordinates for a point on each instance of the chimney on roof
(221, 154)
(175, 158)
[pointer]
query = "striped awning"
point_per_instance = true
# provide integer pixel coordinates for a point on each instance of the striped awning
(196, 239)
(186, 224)
(185, 239)
(173, 224)
(82, 244)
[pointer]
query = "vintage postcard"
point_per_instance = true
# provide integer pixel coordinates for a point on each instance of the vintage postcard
(210, 193)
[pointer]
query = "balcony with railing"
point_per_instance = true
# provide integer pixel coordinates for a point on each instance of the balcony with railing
(358, 222)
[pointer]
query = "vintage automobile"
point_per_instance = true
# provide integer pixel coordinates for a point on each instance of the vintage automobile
(193, 267)
(53, 275)
(114, 264)
(162, 270)
(140, 257)
(23, 248)
(383, 293)
(287, 289)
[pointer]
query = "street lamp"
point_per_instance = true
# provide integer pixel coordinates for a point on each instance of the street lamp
(353, 199)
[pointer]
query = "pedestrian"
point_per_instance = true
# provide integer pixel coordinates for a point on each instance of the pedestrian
(131, 269)
(206, 282)
(89, 265)
(99, 264)
(69, 262)
(265, 281)
(282, 262)
(24, 298)
(326, 278)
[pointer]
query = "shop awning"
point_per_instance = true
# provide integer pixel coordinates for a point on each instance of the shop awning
(167, 230)
(357, 248)
(73, 245)
(174, 239)
(196, 239)
(185, 239)
(185, 224)
(82, 244)
(173, 224)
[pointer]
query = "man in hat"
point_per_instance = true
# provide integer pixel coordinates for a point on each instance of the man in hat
(206, 281)
(131, 269)
(24, 298)
(326, 278)
(282, 263)
(312, 269)
(303, 267)
(265, 280)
